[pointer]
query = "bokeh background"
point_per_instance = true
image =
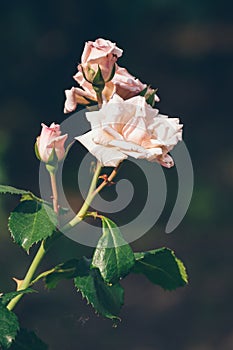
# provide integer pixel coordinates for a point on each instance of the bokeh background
(186, 50)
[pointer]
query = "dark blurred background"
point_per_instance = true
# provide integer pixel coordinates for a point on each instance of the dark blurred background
(186, 50)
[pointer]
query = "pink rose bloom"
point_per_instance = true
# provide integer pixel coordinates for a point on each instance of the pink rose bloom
(123, 83)
(49, 139)
(126, 85)
(123, 128)
(105, 54)
(102, 53)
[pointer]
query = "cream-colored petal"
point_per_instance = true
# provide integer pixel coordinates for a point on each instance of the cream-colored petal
(127, 146)
(107, 156)
(116, 112)
(95, 118)
(115, 134)
(135, 130)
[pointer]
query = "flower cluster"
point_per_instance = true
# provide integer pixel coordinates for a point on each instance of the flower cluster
(103, 54)
(127, 122)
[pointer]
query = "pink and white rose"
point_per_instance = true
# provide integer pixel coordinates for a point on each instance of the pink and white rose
(123, 128)
(105, 54)
(102, 53)
(51, 139)
(123, 84)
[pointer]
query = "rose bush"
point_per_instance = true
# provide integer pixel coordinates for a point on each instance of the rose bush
(123, 128)
(51, 139)
(105, 54)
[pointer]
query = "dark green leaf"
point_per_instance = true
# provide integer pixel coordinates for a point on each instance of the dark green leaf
(113, 256)
(106, 300)
(161, 267)
(25, 194)
(27, 340)
(12, 190)
(31, 222)
(5, 298)
(9, 327)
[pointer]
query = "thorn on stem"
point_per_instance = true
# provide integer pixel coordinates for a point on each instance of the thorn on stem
(105, 178)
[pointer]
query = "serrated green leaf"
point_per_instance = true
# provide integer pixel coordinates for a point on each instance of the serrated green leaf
(66, 270)
(9, 327)
(106, 300)
(27, 340)
(117, 261)
(5, 298)
(161, 267)
(25, 194)
(12, 190)
(31, 222)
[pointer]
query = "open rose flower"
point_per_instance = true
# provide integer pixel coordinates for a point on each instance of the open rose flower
(51, 139)
(123, 128)
(105, 54)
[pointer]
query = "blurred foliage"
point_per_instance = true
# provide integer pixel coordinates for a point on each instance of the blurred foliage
(185, 49)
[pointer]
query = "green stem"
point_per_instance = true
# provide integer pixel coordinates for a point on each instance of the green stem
(41, 251)
(90, 196)
(27, 280)
(99, 98)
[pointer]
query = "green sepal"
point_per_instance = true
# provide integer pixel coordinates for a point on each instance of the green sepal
(37, 151)
(113, 256)
(67, 149)
(98, 83)
(106, 300)
(161, 267)
(84, 75)
(52, 164)
(143, 92)
(90, 73)
(151, 99)
(112, 73)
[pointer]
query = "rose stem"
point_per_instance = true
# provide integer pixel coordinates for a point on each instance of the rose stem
(91, 195)
(41, 251)
(54, 191)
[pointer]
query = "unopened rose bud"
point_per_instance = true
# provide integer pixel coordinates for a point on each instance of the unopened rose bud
(98, 62)
(50, 144)
(150, 95)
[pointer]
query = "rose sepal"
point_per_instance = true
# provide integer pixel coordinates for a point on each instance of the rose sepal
(37, 151)
(52, 164)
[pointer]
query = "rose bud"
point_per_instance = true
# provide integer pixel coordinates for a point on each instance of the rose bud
(99, 58)
(150, 95)
(50, 144)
